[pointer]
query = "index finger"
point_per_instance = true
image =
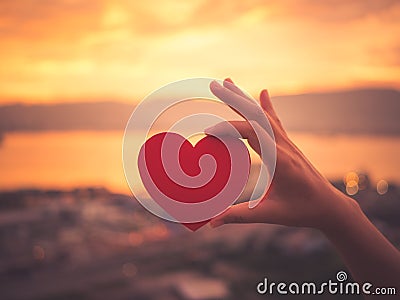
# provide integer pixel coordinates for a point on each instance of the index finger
(242, 105)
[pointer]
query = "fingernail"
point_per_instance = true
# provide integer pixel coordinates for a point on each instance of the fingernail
(216, 223)
(229, 80)
(215, 85)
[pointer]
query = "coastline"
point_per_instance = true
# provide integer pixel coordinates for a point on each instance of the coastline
(82, 238)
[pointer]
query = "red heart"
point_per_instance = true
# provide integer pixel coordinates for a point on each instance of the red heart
(174, 167)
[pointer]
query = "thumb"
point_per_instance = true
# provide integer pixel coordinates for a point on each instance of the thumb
(238, 213)
(267, 211)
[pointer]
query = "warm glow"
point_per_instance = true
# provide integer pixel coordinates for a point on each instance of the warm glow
(351, 177)
(73, 50)
(135, 238)
(156, 232)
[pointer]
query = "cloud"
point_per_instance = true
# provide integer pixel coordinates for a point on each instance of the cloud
(388, 56)
(337, 10)
(38, 20)
(127, 48)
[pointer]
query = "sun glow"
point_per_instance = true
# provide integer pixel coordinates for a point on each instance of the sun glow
(73, 50)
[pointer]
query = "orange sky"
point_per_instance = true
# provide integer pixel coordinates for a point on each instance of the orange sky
(73, 50)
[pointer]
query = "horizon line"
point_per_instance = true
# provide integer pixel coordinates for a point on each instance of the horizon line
(7, 101)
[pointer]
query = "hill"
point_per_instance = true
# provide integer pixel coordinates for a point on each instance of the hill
(368, 111)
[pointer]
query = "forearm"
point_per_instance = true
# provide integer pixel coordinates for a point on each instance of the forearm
(366, 252)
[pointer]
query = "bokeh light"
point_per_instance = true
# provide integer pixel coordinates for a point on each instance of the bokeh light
(129, 269)
(351, 181)
(135, 239)
(38, 252)
(382, 187)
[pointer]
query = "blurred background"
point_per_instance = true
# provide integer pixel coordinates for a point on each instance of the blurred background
(71, 73)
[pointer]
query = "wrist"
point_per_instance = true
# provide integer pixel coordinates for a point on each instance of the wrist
(340, 216)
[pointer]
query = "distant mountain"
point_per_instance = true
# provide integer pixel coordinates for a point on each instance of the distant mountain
(65, 116)
(369, 111)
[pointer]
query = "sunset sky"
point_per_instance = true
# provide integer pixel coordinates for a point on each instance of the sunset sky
(73, 50)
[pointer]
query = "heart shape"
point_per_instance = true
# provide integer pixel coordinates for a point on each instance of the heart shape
(187, 180)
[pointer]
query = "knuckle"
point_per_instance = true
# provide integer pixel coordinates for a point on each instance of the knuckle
(235, 219)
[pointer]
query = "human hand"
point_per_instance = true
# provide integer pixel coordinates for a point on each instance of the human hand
(299, 195)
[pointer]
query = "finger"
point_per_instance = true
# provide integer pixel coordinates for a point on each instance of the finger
(229, 84)
(241, 213)
(240, 104)
(240, 129)
(248, 109)
(238, 213)
(252, 131)
(235, 129)
(266, 104)
(236, 111)
(264, 99)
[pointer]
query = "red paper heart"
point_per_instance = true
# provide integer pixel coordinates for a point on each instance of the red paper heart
(186, 180)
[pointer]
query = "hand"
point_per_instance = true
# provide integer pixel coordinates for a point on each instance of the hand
(299, 195)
